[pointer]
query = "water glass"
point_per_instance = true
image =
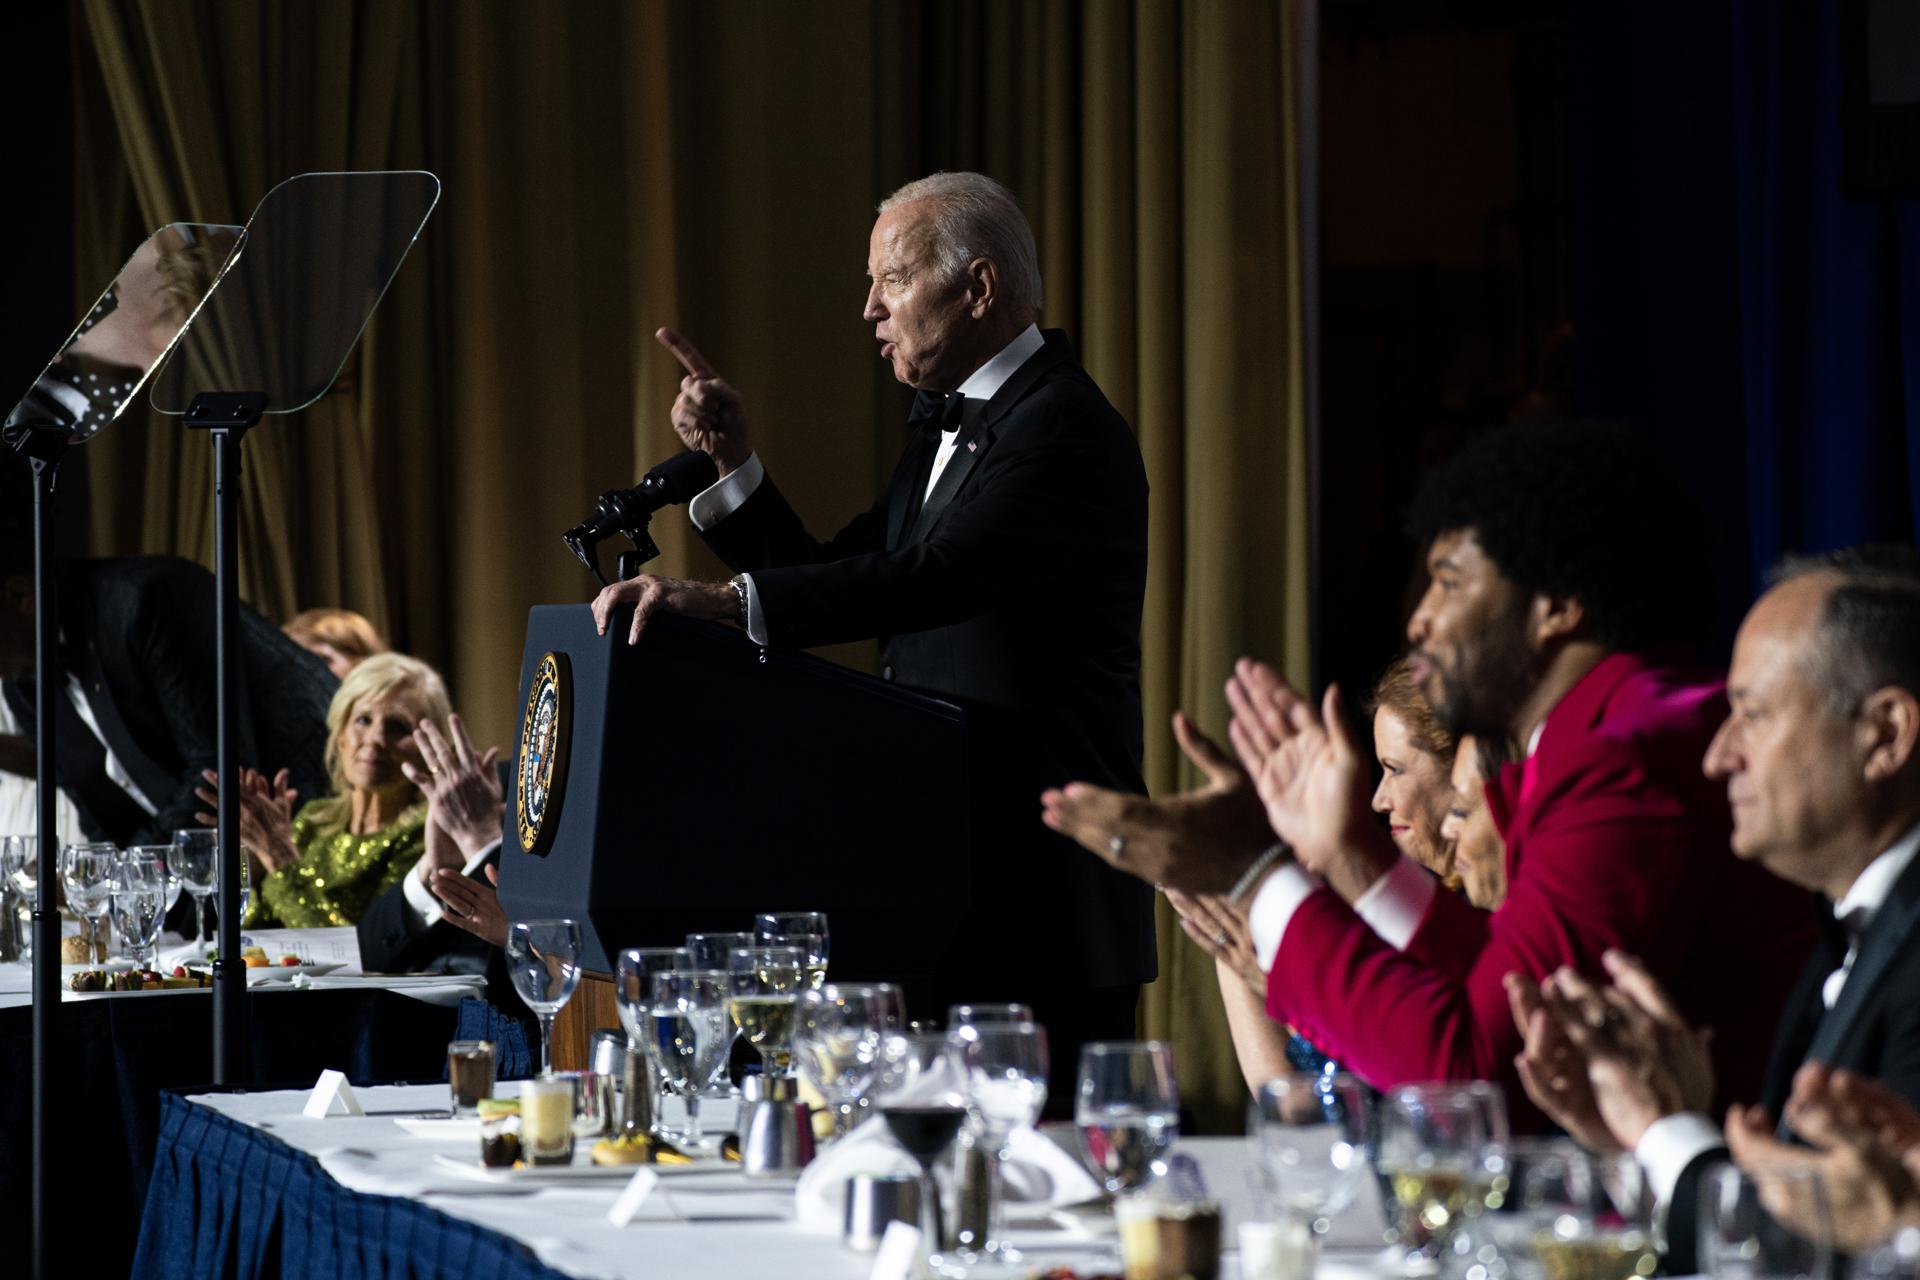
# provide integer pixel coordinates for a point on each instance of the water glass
(633, 997)
(1127, 1109)
(192, 860)
(961, 1015)
(20, 865)
(1741, 1238)
(138, 903)
(86, 873)
(765, 982)
(1313, 1140)
(543, 959)
(1002, 1068)
(837, 1036)
(710, 950)
(687, 1036)
(1436, 1144)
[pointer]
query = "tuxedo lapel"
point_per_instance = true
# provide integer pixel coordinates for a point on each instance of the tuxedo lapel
(903, 498)
(1885, 938)
(975, 439)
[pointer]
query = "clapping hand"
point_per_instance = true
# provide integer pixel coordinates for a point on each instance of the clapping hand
(708, 415)
(471, 905)
(1553, 1071)
(1200, 841)
(266, 815)
(1222, 932)
(462, 787)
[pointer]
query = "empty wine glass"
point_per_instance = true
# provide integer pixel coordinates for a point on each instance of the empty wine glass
(771, 924)
(765, 982)
(688, 1036)
(86, 873)
(711, 950)
(543, 959)
(20, 864)
(1741, 1238)
(192, 859)
(923, 1107)
(961, 1015)
(837, 1035)
(1313, 1137)
(633, 997)
(1127, 1109)
(1003, 1070)
(138, 900)
(1434, 1144)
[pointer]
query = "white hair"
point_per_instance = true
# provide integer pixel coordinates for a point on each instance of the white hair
(973, 216)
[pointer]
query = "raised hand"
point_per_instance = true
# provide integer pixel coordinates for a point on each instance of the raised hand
(1310, 775)
(1553, 1071)
(708, 415)
(1200, 841)
(1222, 932)
(471, 905)
(266, 815)
(463, 791)
(1866, 1189)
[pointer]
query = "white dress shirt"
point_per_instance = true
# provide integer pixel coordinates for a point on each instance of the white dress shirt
(1673, 1142)
(723, 498)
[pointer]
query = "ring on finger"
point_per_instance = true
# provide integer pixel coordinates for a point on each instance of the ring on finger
(1220, 939)
(1117, 846)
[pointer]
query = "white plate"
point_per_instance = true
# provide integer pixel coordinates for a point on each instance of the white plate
(584, 1171)
(289, 971)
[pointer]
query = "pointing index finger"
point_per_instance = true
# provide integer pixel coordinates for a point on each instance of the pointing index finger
(686, 353)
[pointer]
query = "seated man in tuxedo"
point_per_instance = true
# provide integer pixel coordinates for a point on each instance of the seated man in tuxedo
(1557, 562)
(137, 725)
(1003, 568)
(1820, 755)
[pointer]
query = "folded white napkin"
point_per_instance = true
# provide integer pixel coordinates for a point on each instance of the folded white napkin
(1037, 1171)
(439, 989)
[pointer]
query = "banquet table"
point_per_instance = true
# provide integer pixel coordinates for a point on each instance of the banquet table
(245, 1185)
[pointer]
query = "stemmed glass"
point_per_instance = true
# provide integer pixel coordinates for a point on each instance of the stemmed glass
(20, 863)
(789, 929)
(192, 859)
(765, 982)
(1313, 1137)
(812, 948)
(138, 900)
(543, 959)
(1003, 1070)
(1741, 1239)
(923, 1108)
(86, 873)
(1435, 1140)
(688, 1037)
(710, 950)
(1587, 1215)
(837, 1036)
(1127, 1109)
(960, 1015)
(633, 996)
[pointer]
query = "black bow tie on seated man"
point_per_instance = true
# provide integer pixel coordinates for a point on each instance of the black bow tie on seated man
(934, 412)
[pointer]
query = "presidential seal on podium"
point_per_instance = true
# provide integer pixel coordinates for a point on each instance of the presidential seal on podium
(542, 772)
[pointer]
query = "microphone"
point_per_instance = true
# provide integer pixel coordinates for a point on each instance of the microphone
(627, 511)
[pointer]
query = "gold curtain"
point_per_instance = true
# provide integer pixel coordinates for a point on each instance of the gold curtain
(610, 167)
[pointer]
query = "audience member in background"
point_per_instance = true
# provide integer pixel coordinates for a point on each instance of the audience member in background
(1415, 794)
(1473, 837)
(1557, 559)
(1862, 1140)
(340, 638)
(1820, 756)
(324, 865)
(136, 726)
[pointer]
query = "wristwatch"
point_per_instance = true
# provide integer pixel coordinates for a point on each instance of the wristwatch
(739, 584)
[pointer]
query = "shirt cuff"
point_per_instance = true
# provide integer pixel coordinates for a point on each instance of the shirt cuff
(756, 620)
(1278, 897)
(426, 909)
(1670, 1144)
(722, 498)
(1394, 905)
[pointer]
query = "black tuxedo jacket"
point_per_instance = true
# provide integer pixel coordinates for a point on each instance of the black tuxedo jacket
(1015, 590)
(139, 634)
(1873, 1030)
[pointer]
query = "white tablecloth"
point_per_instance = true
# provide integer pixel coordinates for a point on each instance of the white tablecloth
(716, 1225)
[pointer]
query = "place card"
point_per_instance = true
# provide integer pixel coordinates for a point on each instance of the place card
(331, 1096)
(899, 1250)
(635, 1195)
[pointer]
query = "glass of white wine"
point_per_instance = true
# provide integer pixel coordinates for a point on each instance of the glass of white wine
(1435, 1140)
(1589, 1217)
(764, 983)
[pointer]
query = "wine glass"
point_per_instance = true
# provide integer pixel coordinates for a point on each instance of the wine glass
(20, 864)
(633, 997)
(711, 950)
(837, 1036)
(1587, 1214)
(543, 959)
(192, 859)
(812, 948)
(769, 925)
(1434, 1146)
(1313, 1138)
(86, 873)
(923, 1107)
(1742, 1239)
(765, 982)
(960, 1015)
(687, 1036)
(1003, 1070)
(1127, 1109)
(138, 900)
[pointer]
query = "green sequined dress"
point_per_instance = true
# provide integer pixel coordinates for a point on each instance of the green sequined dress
(338, 876)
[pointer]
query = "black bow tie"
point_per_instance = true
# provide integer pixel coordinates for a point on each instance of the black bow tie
(934, 412)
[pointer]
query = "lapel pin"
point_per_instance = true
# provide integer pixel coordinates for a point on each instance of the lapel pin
(972, 445)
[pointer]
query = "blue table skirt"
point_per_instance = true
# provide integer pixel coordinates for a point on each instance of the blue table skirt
(229, 1200)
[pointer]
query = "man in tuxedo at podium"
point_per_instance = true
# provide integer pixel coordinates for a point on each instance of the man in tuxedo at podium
(1003, 568)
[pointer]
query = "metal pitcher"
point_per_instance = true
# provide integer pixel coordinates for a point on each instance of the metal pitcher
(776, 1128)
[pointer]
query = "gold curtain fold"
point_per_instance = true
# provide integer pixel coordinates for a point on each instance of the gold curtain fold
(611, 167)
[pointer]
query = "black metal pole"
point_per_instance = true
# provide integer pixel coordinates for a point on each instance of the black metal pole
(229, 971)
(47, 685)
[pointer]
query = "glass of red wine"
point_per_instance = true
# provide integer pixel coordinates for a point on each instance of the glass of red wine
(923, 1105)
